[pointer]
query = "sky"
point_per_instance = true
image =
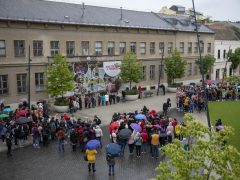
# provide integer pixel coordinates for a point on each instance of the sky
(221, 10)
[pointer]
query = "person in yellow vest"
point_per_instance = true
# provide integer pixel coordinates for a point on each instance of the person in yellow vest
(91, 157)
(186, 104)
(178, 131)
(155, 144)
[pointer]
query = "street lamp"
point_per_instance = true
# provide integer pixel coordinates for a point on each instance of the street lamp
(201, 67)
(160, 70)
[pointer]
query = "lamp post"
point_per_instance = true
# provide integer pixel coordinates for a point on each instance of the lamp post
(201, 68)
(160, 71)
(29, 82)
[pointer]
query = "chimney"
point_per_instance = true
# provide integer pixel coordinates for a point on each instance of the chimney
(83, 9)
(121, 14)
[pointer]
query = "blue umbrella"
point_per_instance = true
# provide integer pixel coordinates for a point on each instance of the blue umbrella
(140, 117)
(7, 110)
(93, 144)
(113, 149)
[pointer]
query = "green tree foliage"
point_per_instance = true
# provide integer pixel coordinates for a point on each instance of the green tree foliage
(174, 67)
(131, 69)
(234, 58)
(207, 61)
(208, 156)
(233, 80)
(60, 78)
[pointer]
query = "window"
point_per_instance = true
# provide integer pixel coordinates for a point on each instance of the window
(196, 47)
(189, 69)
(21, 83)
(224, 53)
(162, 72)
(217, 73)
(202, 47)
(70, 48)
(181, 47)
(19, 47)
(209, 48)
(170, 47)
(85, 48)
(152, 72)
(161, 47)
(219, 54)
(39, 81)
(189, 47)
(133, 47)
(2, 48)
(152, 47)
(144, 73)
(98, 48)
(37, 48)
(122, 48)
(3, 84)
(143, 48)
(54, 47)
(111, 48)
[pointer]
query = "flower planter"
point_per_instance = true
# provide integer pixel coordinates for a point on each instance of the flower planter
(172, 89)
(131, 97)
(61, 109)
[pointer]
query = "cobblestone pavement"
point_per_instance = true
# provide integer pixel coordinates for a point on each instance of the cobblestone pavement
(46, 163)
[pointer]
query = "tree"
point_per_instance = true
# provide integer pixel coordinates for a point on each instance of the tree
(60, 78)
(234, 58)
(208, 156)
(131, 69)
(207, 61)
(174, 67)
(233, 80)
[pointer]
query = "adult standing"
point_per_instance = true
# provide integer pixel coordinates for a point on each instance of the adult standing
(138, 143)
(9, 137)
(107, 98)
(139, 92)
(74, 139)
(111, 163)
(61, 137)
(91, 156)
(155, 144)
(98, 134)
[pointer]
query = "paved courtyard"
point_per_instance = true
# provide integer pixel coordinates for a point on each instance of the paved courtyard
(47, 163)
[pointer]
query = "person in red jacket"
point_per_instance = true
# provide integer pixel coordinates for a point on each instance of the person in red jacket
(145, 139)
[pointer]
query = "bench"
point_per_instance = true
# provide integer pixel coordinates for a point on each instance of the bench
(148, 93)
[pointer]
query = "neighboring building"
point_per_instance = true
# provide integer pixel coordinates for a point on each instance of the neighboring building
(227, 38)
(88, 33)
(178, 9)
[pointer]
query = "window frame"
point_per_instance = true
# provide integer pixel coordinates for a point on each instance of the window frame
(122, 49)
(190, 65)
(152, 72)
(85, 48)
(142, 48)
(19, 51)
(3, 84)
(39, 81)
(23, 82)
(133, 47)
(170, 47)
(54, 48)
(209, 48)
(181, 47)
(152, 48)
(111, 49)
(70, 48)
(196, 47)
(189, 47)
(98, 50)
(37, 48)
(3, 48)
(144, 73)
(219, 54)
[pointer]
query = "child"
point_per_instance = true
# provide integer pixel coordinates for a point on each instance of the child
(111, 163)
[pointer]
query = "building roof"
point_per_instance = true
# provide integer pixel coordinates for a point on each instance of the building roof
(67, 13)
(225, 30)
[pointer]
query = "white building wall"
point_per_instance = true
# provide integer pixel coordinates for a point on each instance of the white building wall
(220, 62)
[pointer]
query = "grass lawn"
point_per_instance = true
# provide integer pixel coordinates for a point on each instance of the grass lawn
(229, 112)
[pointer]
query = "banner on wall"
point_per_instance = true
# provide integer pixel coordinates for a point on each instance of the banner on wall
(112, 68)
(94, 76)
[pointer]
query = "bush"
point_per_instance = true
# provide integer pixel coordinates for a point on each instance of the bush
(61, 102)
(131, 92)
(176, 85)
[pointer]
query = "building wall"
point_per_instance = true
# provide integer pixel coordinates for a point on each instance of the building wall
(221, 61)
(11, 65)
